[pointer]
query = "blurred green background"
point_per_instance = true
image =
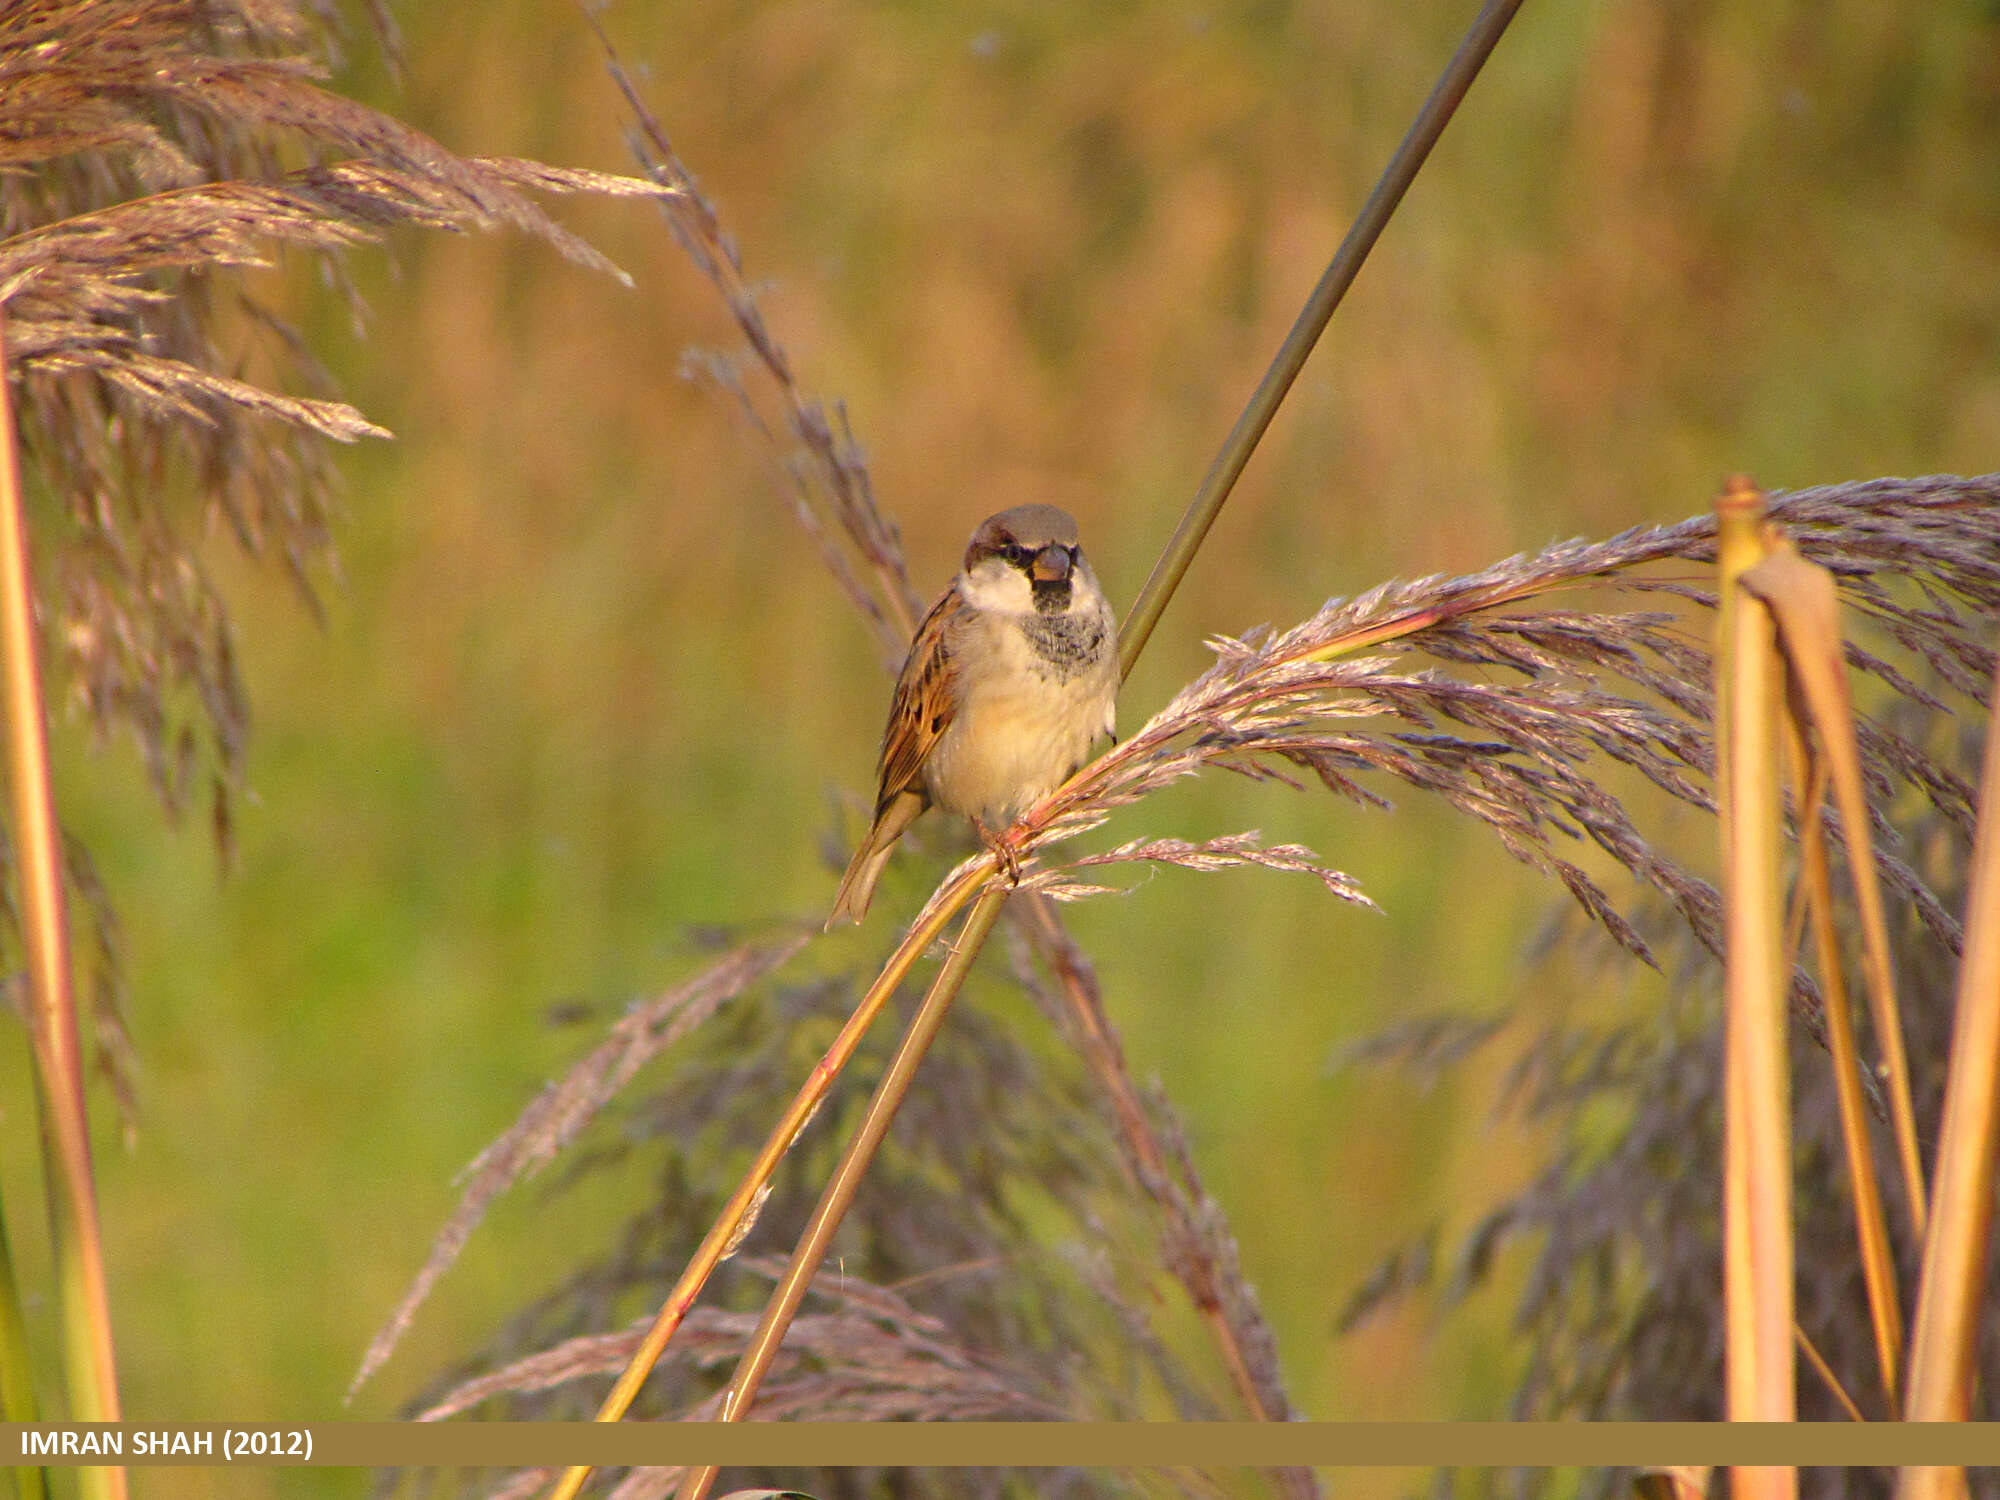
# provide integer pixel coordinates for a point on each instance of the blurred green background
(583, 683)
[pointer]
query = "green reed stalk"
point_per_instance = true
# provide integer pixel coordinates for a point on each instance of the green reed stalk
(86, 1310)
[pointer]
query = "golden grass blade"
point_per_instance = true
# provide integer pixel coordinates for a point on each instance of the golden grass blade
(1757, 1225)
(1801, 596)
(728, 1226)
(1952, 1288)
(846, 1179)
(1871, 1225)
(86, 1310)
(1814, 901)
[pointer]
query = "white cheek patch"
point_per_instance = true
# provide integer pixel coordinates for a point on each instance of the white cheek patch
(995, 586)
(1084, 595)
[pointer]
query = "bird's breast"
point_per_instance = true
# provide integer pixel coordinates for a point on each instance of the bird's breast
(1024, 722)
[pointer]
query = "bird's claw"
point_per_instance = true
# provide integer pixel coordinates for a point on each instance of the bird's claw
(1003, 851)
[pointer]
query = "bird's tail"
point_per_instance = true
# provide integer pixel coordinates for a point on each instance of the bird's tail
(857, 886)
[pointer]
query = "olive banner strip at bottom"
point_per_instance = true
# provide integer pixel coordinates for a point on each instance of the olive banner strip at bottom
(1111, 1445)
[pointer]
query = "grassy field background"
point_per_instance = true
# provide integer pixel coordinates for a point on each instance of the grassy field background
(582, 684)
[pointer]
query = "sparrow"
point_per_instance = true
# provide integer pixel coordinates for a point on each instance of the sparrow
(1011, 680)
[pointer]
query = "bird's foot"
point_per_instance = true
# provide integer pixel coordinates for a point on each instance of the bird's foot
(1003, 850)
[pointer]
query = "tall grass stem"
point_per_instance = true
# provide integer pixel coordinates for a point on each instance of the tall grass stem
(1757, 1227)
(85, 1305)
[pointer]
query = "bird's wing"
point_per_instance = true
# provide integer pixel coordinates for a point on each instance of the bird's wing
(922, 709)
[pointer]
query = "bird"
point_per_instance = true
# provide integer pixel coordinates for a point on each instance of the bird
(1010, 682)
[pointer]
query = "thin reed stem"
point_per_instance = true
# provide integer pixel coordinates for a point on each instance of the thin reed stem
(1806, 606)
(726, 1230)
(1871, 1225)
(1757, 1226)
(1825, 1372)
(86, 1311)
(854, 1163)
(1951, 1293)
(1445, 97)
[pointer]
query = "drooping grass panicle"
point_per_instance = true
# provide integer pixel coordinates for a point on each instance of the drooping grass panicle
(870, 1357)
(147, 144)
(1530, 705)
(563, 1109)
(807, 441)
(1621, 1232)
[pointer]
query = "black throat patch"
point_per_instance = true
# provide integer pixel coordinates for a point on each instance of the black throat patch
(1051, 597)
(1066, 644)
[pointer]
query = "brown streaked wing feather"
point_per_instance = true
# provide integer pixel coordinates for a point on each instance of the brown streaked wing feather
(926, 698)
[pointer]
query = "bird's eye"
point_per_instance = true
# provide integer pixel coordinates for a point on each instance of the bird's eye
(1016, 555)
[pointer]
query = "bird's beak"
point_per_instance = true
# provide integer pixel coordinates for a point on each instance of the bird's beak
(1051, 565)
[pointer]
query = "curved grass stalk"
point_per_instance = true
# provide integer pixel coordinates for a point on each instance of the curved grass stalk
(89, 1360)
(846, 1179)
(730, 1223)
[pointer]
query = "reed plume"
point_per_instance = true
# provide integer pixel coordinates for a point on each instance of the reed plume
(148, 147)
